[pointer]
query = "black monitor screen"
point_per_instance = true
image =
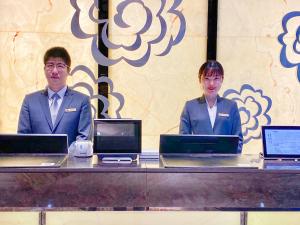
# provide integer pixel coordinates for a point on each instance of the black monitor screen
(33, 143)
(117, 136)
(195, 144)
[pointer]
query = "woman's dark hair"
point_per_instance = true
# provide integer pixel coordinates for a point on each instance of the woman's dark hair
(58, 52)
(211, 67)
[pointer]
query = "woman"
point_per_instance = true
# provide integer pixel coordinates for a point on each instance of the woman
(211, 114)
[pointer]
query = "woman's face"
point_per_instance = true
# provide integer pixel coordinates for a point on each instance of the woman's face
(211, 84)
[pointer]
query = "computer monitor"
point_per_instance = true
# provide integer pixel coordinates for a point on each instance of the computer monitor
(33, 143)
(281, 141)
(198, 144)
(117, 137)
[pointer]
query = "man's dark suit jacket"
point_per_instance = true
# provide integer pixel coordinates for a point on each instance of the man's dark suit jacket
(74, 116)
(195, 119)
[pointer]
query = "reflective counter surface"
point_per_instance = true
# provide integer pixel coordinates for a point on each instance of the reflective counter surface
(87, 184)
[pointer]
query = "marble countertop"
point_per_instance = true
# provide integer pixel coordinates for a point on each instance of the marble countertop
(93, 164)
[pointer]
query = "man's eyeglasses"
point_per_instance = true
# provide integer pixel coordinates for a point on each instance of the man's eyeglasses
(59, 66)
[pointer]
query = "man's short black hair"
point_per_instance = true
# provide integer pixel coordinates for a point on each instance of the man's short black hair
(58, 52)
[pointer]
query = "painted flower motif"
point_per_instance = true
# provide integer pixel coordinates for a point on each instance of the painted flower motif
(96, 96)
(290, 41)
(148, 30)
(253, 107)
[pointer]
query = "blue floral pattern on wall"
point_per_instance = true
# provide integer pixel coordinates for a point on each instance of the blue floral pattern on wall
(90, 90)
(152, 20)
(141, 45)
(253, 107)
(290, 41)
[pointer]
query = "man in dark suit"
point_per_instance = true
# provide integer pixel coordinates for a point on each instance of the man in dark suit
(211, 114)
(57, 109)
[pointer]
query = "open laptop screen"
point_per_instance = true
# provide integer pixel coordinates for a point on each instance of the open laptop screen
(33, 143)
(117, 136)
(195, 144)
(281, 141)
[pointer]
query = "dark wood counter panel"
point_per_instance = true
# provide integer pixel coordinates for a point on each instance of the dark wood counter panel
(86, 184)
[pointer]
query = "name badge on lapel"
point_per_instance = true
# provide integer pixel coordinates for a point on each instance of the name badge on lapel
(70, 110)
(223, 114)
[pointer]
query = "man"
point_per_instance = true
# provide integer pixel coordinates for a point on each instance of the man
(56, 109)
(211, 114)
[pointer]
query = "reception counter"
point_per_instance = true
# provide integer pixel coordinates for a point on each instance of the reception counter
(86, 184)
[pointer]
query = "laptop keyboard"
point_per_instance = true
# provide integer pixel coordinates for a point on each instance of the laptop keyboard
(282, 164)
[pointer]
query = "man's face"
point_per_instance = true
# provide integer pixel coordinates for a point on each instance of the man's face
(211, 85)
(56, 72)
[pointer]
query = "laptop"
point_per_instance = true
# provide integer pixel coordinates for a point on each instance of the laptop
(186, 151)
(117, 140)
(281, 147)
(33, 150)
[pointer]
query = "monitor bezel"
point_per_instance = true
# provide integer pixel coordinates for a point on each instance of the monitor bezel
(125, 152)
(266, 155)
(228, 138)
(32, 138)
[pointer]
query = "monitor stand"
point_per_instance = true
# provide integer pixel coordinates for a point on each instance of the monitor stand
(118, 158)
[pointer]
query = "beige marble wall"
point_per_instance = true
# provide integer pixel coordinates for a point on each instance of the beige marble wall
(250, 52)
(142, 218)
(273, 218)
(247, 47)
(157, 91)
(19, 218)
(27, 29)
(154, 93)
